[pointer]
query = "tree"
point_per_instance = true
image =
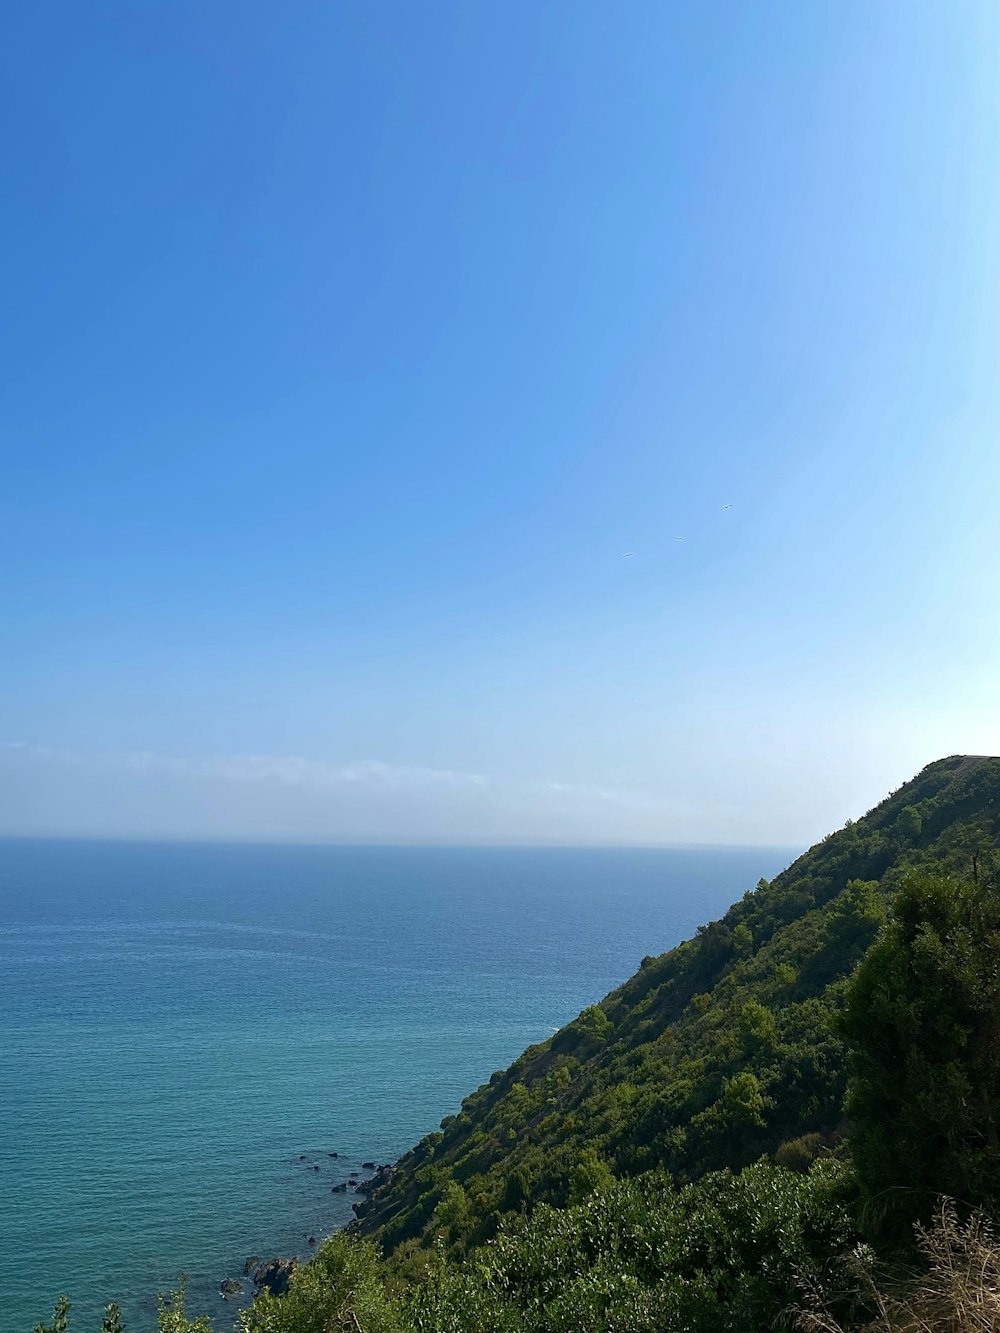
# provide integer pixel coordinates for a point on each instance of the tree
(923, 1013)
(590, 1173)
(60, 1318)
(452, 1215)
(341, 1288)
(112, 1321)
(171, 1314)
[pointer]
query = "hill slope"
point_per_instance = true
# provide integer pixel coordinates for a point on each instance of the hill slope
(714, 1054)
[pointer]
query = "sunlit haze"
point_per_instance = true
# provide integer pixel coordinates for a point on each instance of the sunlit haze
(364, 362)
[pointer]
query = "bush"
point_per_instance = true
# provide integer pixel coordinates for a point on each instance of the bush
(923, 1012)
(956, 1289)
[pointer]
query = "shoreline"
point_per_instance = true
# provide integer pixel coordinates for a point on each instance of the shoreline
(354, 1179)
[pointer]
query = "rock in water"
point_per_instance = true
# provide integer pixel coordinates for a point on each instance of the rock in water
(253, 1262)
(275, 1275)
(230, 1287)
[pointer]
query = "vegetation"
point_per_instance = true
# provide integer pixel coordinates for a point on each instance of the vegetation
(923, 1015)
(727, 1049)
(723, 1256)
(678, 1158)
(954, 1289)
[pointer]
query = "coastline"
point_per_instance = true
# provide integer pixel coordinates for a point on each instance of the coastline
(336, 1183)
(211, 1044)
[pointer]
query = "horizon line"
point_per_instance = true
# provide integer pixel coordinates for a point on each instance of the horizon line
(170, 839)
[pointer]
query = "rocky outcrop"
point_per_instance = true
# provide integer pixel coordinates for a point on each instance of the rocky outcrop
(230, 1288)
(274, 1276)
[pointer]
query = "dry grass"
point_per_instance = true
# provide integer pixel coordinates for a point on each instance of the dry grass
(956, 1289)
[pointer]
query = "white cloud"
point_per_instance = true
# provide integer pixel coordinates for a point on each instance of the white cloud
(143, 793)
(290, 770)
(296, 771)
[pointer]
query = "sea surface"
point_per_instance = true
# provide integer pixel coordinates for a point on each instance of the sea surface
(187, 1032)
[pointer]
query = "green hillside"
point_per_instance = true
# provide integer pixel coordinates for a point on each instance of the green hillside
(675, 1160)
(724, 1050)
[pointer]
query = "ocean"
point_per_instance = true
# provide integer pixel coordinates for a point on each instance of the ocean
(189, 1031)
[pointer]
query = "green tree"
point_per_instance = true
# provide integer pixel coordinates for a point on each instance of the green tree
(590, 1173)
(172, 1317)
(112, 1321)
(452, 1215)
(60, 1318)
(923, 1013)
(341, 1288)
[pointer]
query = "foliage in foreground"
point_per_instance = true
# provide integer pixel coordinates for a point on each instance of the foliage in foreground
(954, 1289)
(737, 1254)
(597, 1269)
(724, 1256)
(171, 1317)
(923, 1016)
(343, 1287)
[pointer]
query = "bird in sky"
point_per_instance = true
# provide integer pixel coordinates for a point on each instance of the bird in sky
(627, 555)
(727, 506)
(677, 539)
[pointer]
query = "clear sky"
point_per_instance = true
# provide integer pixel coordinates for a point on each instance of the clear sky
(349, 347)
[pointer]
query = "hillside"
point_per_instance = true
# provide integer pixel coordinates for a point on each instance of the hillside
(715, 1054)
(675, 1160)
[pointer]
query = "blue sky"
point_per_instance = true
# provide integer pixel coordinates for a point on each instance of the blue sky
(350, 346)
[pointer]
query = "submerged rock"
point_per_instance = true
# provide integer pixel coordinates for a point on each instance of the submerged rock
(368, 1166)
(254, 1261)
(230, 1288)
(274, 1276)
(339, 1189)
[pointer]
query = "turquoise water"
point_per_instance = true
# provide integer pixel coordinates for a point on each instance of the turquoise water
(183, 1024)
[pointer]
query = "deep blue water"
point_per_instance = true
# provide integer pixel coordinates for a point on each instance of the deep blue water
(182, 1023)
